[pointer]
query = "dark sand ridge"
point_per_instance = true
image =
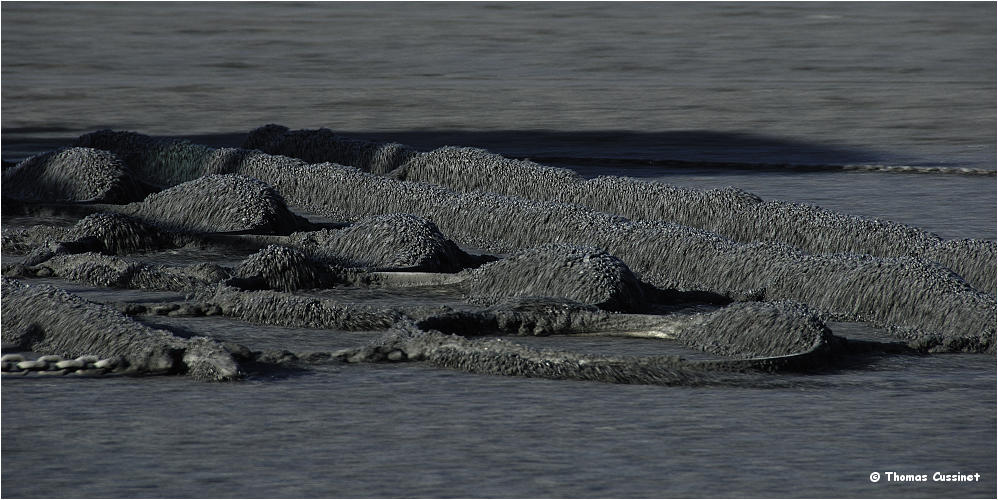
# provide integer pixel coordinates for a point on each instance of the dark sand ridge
(731, 212)
(915, 295)
(77, 327)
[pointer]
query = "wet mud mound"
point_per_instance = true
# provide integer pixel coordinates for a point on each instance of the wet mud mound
(102, 232)
(115, 272)
(757, 330)
(72, 174)
(322, 145)
(580, 274)
(218, 203)
(285, 269)
(393, 241)
(731, 212)
(77, 327)
(119, 234)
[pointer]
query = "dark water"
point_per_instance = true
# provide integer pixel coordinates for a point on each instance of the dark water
(898, 83)
(818, 83)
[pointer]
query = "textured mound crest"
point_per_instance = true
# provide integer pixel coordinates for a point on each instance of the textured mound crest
(469, 169)
(219, 203)
(283, 268)
(583, 274)
(757, 329)
(119, 234)
(394, 241)
(73, 174)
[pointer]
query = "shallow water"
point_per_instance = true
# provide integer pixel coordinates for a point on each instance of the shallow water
(412, 431)
(817, 83)
(808, 82)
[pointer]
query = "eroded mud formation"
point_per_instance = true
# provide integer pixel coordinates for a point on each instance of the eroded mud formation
(731, 212)
(77, 327)
(72, 174)
(582, 274)
(164, 162)
(561, 268)
(218, 203)
(912, 293)
(392, 241)
(116, 272)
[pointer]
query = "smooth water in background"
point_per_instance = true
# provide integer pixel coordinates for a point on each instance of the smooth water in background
(816, 83)
(858, 82)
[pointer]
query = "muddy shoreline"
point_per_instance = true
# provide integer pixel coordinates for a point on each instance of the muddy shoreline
(749, 282)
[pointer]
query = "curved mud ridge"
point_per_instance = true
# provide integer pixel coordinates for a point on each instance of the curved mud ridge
(77, 327)
(814, 347)
(732, 213)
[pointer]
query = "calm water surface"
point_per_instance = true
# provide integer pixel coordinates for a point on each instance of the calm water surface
(819, 83)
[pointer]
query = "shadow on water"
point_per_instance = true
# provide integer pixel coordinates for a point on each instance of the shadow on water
(699, 146)
(680, 145)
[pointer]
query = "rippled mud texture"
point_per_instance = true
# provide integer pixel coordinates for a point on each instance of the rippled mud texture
(116, 272)
(735, 330)
(731, 212)
(386, 242)
(218, 203)
(914, 294)
(77, 327)
(72, 174)
(286, 269)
